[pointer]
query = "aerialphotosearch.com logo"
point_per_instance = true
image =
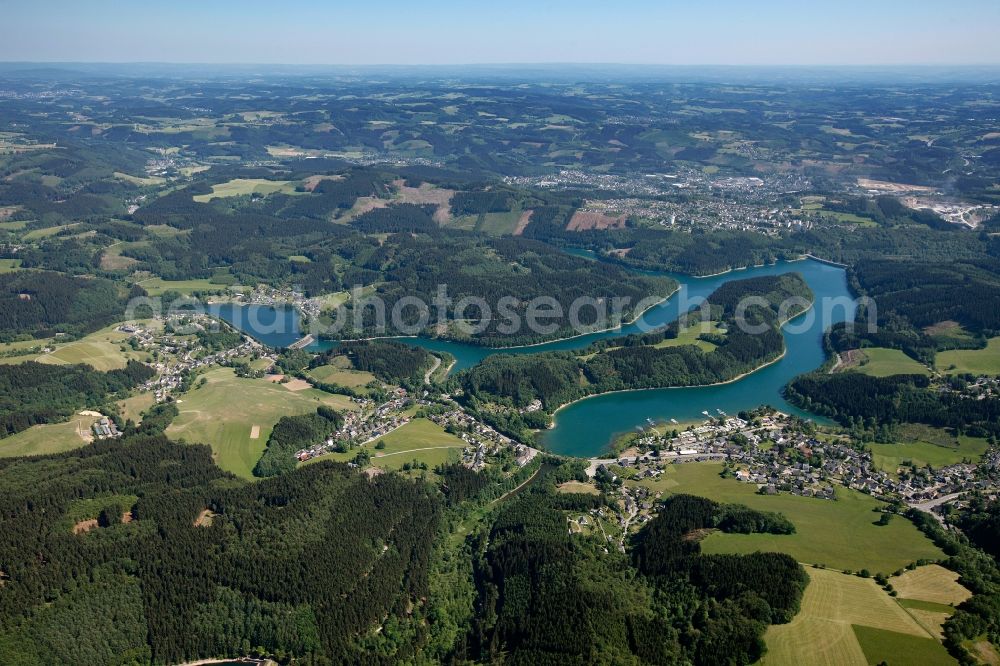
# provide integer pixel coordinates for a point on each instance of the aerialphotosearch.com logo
(365, 314)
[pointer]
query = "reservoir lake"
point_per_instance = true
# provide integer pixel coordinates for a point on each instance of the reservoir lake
(587, 427)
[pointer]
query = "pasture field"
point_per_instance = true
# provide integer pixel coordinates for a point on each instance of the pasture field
(23, 345)
(881, 362)
(417, 434)
(210, 415)
(244, 186)
(949, 332)
(929, 615)
(102, 350)
(498, 224)
(48, 438)
(47, 232)
(9, 265)
(824, 631)
(578, 487)
(976, 361)
(889, 457)
(331, 374)
(134, 406)
(890, 647)
(113, 260)
(837, 533)
(932, 583)
(140, 181)
(689, 336)
(158, 286)
(420, 439)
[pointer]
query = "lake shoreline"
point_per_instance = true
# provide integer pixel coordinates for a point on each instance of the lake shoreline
(666, 388)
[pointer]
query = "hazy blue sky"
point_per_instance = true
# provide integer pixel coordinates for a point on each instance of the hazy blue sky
(510, 31)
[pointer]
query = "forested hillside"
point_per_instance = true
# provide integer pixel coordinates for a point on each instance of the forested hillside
(546, 596)
(862, 400)
(32, 393)
(303, 565)
(643, 361)
(42, 303)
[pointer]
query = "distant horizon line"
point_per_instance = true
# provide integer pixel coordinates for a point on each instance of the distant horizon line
(554, 63)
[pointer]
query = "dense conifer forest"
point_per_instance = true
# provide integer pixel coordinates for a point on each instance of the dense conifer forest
(32, 393)
(202, 565)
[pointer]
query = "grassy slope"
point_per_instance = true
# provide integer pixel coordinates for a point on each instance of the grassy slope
(894, 648)
(822, 632)
(932, 583)
(48, 438)
(889, 457)
(977, 361)
(100, 350)
(330, 374)
(419, 439)
(223, 412)
(839, 534)
(884, 362)
(243, 186)
(157, 286)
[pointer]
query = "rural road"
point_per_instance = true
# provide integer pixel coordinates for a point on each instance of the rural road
(427, 375)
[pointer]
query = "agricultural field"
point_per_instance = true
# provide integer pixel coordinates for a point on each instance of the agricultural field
(889, 647)
(9, 265)
(689, 336)
(578, 488)
(245, 186)
(931, 583)
(847, 620)
(838, 533)
(102, 350)
(134, 406)
(140, 181)
(498, 224)
(333, 374)
(975, 361)
(420, 439)
(889, 457)
(881, 362)
(49, 438)
(47, 232)
(158, 286)
(209, 415)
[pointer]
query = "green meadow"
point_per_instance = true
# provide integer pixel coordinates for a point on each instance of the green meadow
(837, 533)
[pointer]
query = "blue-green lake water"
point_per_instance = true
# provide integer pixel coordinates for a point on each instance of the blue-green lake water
(587, 427)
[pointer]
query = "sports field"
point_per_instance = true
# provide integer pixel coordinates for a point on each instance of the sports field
(846, 620)
(977, 361)
(880, 362)
(243, 186)
(223, 413)
(837, 533)
(49, 438)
